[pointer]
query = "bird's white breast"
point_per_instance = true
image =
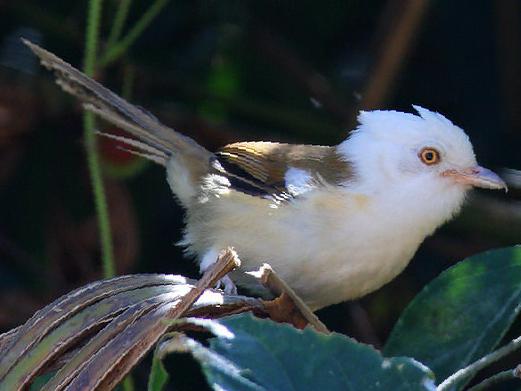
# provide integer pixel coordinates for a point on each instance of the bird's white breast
(330, 245)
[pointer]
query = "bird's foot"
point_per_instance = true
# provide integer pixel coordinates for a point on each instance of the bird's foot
(227, 285)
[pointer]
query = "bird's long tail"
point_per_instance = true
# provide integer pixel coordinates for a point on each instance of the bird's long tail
(156, 141)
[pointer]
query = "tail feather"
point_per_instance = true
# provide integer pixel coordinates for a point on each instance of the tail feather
(148, 156)
(143, 149)
(115, 109)
(116, 119)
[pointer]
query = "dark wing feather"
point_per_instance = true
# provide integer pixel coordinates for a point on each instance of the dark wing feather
(261, 166)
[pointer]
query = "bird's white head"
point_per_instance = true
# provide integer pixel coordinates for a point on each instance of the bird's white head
(424, 156)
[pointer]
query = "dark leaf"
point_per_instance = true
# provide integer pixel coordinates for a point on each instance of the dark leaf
(461, 315)
(254, 354)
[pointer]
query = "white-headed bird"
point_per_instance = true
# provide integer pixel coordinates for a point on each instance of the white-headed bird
(335, 222)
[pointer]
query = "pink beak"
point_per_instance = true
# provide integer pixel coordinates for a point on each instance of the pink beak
(477, 177)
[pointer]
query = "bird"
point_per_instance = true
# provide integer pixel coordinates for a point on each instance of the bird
(335, 222)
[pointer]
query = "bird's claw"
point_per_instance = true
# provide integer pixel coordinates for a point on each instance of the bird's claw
(227, 285)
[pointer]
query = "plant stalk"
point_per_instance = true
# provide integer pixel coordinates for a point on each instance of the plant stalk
(475, 367)
(497, 378)
(93, 160)
(119, 22)
(117, 49)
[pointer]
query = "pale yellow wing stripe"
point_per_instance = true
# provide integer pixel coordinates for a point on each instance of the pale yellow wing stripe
(268, 162)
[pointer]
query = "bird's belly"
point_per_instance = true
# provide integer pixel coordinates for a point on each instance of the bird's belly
(325, 257)
(325, 273)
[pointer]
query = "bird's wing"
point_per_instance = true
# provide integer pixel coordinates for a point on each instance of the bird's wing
(278, 169)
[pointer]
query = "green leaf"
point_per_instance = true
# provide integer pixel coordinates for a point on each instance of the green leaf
(158, 375)
(463, 314)
(255, 354)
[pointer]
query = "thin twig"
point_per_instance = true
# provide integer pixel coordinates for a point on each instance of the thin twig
(478, 365)
(226, 262)
(362, 324)
(497, 378)
(116, 50)
(119, 22)
(278, 286)
(396, 45)
(313, 82)
(93, 160)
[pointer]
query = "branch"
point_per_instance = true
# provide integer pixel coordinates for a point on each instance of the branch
(313, 82)
(226, 262)
(397, 43)
(497, 378)
(117, 49)
(279, 287)
(478, 365)
(119, 22)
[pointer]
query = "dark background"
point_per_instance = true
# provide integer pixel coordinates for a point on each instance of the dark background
(222, 71)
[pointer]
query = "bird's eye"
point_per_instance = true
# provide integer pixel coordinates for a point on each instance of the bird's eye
(429, 156)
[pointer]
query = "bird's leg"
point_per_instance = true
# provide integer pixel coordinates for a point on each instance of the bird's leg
(225, 283)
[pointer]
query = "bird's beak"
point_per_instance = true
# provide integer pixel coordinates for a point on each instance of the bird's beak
(477, 177)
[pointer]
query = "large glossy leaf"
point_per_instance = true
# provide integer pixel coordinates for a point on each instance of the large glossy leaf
(255, 354)
(461, 315)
